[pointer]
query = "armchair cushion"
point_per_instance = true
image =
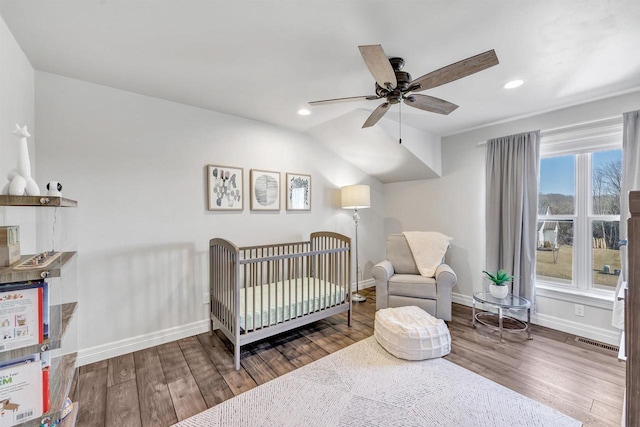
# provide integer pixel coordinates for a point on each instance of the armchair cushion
(412, 285)
(400, 256)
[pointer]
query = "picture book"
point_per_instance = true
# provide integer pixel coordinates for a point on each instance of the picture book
(21, 315)
(21, 393)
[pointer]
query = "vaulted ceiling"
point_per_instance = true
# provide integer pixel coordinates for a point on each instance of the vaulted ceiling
(266, 59)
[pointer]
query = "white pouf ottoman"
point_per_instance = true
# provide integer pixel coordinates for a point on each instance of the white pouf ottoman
(411, 333)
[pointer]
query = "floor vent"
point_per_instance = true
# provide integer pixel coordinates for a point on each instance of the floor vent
(598, 344)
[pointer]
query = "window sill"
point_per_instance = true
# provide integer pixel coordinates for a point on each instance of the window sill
(600, 299)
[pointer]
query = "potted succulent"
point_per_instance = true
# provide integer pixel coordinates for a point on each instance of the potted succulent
(498, 287)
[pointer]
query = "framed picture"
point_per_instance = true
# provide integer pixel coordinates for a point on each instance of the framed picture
(265, 190)
(298, 192)
(225, 188)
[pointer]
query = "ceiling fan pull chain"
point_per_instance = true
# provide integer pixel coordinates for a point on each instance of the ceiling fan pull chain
(400, 121)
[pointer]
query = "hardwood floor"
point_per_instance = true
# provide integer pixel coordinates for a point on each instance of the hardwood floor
(162, 385)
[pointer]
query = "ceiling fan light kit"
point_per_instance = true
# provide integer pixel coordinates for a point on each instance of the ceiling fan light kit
(395, 85)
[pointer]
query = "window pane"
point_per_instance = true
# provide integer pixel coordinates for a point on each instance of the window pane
(606, 176)
(557, 186)
(554, 257)
(606, 253)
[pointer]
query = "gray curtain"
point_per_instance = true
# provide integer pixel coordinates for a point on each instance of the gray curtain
(630, 181)
(512, 202)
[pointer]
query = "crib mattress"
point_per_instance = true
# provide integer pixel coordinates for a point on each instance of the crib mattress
(281, 301)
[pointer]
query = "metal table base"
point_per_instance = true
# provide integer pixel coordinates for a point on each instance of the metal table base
(480, 318)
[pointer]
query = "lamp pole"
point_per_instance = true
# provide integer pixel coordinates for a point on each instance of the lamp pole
(357, 297)
(356, 197)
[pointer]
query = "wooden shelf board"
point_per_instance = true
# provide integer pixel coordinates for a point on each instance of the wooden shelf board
(59, 318)
(44, 201)
(11, 274)
(57, 314)
(62, 372)
(24, 351)
(68, 310)
(70, 420)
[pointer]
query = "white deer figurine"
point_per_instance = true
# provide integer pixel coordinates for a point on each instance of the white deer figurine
(20, 181)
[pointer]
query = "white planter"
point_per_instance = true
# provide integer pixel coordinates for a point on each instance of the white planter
(498, 291)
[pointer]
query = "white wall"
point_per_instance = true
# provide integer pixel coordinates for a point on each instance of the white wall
(455, 205)
(16, 106)
(136, 165)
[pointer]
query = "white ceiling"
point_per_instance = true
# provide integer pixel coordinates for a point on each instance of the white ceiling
(266, 59)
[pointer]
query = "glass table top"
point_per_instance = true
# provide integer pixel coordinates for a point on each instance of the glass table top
(510, 301)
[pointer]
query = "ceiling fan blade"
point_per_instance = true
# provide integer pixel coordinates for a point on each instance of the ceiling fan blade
(379, 65)
(456, 71)
(351, 98)
(430, 103)
(376, 115)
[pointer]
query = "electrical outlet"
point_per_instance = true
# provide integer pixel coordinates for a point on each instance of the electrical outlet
(579, 310)
(205, 298)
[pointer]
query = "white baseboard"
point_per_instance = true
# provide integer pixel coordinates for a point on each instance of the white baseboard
(461, 299)
(140, 342)
(369, 283)
(575, 328)
(559, 324)
(128, 345)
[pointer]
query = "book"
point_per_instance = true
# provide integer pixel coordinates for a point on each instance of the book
(45, 310)
(21, 315)
(21, 392)
(44, 359)
(46, 383)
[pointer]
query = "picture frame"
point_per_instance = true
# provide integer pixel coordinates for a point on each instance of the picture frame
(298, 192)
(225, 188)
(265, 190)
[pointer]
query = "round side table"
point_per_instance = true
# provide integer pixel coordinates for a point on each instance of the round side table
(508, 303)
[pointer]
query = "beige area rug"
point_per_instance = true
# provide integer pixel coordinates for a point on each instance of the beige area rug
(363, 385)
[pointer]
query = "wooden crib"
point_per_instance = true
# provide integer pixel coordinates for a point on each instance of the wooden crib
(259, 291)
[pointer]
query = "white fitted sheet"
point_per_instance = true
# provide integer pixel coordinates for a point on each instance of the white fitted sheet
(280, 301)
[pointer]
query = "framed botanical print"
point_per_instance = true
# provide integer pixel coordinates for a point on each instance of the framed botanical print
(265, 190)
(225, 188)
(298, 192)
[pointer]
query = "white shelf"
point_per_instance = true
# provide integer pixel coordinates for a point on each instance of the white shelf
(622, 356)
(623, 288)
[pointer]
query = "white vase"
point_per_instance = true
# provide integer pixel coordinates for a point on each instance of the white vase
(498, 291)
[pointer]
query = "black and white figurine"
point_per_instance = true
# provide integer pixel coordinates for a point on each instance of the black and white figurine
(54, 189)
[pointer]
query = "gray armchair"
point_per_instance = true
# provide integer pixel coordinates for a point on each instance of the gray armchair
(399, 283)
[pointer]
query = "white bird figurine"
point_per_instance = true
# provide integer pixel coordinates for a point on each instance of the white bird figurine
(20, 181)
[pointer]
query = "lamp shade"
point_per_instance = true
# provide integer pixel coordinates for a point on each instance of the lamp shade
(355, 197)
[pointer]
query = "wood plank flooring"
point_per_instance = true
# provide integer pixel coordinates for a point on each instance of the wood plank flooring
(162, 385)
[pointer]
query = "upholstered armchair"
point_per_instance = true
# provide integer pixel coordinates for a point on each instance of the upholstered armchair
(399, 282)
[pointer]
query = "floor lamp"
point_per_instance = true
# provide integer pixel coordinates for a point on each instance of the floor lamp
(356, 197)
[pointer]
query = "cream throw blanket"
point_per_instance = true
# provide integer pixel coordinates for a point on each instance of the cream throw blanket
(428, 249)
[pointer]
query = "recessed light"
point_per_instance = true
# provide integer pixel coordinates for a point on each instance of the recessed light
(513, 84)
(304, 112)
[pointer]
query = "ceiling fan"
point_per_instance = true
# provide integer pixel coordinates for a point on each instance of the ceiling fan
(395, 85)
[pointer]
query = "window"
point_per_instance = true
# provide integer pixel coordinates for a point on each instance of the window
(579, 213)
